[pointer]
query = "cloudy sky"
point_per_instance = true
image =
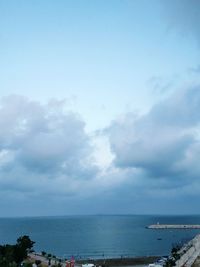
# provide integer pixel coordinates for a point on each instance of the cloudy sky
(99, 107)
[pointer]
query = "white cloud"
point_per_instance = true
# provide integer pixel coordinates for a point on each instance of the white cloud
(45, 152)
(41, 146)
(164, 143)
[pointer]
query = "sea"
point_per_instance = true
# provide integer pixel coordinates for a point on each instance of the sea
(99, 236)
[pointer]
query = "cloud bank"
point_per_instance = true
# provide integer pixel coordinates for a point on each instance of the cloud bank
(164, 144)
(42, 148)
(46, 154)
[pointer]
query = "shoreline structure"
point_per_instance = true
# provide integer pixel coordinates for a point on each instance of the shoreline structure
(174, 226)
(189, 253)
(107, 262)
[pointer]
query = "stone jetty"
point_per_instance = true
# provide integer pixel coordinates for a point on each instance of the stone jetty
(174, 226)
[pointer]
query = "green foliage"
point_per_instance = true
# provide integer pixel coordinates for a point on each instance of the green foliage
(44, 253)
(37, 262)
(175, 252)
(12, 255)
(170, 263)
(25, 242)
(27, 264)
(174, 256)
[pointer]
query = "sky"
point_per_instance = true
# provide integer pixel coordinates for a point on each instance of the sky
(99, 107)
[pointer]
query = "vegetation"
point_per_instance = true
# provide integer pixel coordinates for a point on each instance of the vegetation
(175, 255)
(43, 253)
(13, 255)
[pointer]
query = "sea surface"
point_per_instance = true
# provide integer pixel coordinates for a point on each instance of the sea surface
(98, 236)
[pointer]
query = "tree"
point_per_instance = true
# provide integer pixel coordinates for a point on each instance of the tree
(25, 242)
(23, 246)
(10, 255)
(44, 253)
(37, 262)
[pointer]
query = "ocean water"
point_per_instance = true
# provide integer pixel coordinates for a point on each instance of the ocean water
(98, 236)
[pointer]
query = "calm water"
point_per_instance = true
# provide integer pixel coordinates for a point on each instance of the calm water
(98, 236)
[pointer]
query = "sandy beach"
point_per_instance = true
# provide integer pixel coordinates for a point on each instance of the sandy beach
(136, 261)
(122, 261)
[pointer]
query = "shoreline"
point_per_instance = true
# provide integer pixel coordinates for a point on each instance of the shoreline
(120, 261)
(106, 262)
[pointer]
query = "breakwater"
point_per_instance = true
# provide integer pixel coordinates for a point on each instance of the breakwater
(174, 226)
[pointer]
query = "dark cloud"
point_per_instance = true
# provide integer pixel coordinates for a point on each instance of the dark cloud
(164, 143)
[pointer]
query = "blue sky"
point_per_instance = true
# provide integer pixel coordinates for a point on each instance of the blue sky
(99, 99)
